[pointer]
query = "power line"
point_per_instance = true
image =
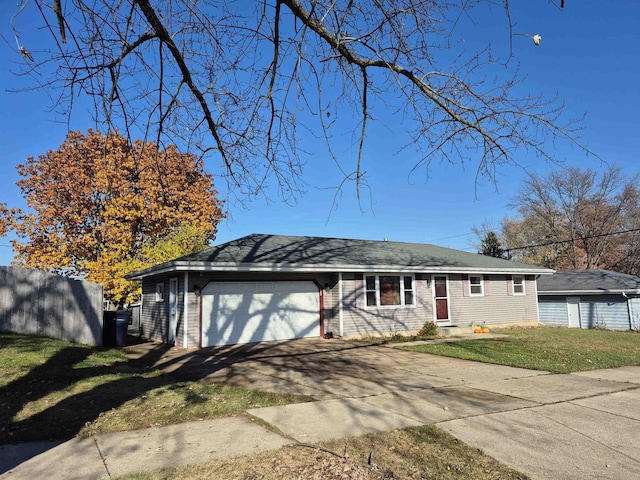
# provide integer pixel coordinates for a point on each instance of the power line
(557, 242)
(452, 236)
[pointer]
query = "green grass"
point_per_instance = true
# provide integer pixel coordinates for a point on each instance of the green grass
(51, 389)
(413, 453)
(558, 350)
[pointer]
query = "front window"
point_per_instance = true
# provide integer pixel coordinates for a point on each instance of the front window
(389, 290)
(518, 285)
(475, 285)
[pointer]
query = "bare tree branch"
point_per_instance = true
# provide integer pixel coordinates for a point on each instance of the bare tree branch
(250, 86)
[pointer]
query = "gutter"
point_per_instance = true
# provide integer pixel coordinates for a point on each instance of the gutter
(624, 293)
(176, 266)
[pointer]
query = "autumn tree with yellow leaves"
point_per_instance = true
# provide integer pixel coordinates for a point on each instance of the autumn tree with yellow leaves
(101, 207)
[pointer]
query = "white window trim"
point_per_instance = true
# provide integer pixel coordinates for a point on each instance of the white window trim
(159, 292)
(513, 285)
(402, 290)
(481, 294)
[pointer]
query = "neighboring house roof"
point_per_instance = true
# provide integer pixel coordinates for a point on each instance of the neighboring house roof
(592, 282)
(282, 253)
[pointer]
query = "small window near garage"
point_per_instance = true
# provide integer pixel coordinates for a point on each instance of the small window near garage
(476, 286)
(371, 290)
(389, 290)
(159, 292)
(518, 285)
(408, 291)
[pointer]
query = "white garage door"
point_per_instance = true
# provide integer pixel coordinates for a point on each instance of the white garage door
(245, 312)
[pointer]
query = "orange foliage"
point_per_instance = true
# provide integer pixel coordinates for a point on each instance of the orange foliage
(97, 199)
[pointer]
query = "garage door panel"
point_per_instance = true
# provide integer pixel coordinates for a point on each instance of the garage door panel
(245, 312)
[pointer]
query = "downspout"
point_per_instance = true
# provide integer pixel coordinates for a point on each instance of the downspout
(321, 302)
(628, 310)
(535, 282)
(200, 320)
(340, 304)
(321, 312)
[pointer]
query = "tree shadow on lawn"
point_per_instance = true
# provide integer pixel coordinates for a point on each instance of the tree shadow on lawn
(66, 418)
(149, 366)
(153, 366)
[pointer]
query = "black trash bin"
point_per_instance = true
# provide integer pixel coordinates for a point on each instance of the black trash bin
(109, 329)
(122, 325)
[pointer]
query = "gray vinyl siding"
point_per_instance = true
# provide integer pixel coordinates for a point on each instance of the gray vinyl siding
(193, 318)
(604, 311)
(332, 310)
(496, 306)
(359, 319)
(553, 311)
(155, 315)
(596, 311)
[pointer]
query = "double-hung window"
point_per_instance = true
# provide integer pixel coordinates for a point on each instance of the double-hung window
(389, 290)
(518, 285)
(476, 286)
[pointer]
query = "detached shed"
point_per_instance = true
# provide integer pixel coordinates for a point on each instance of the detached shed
(590, 299)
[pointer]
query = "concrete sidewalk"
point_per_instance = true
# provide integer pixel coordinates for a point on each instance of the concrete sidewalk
(575, 426)
(115, 454)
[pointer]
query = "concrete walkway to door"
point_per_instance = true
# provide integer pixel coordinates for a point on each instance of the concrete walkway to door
(548, 426)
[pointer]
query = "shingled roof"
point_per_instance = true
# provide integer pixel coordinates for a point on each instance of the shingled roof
(588, 281)
(260, 252)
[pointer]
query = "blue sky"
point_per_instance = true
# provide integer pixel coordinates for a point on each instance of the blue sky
(589, 57)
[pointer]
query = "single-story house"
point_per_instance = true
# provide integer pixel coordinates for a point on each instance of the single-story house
(274, 287)
(590, 299)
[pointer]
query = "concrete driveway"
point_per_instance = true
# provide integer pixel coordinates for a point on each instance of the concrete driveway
(575, 426)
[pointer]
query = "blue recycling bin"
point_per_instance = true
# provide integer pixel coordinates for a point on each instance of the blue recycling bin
(114, 328)
(122, 324)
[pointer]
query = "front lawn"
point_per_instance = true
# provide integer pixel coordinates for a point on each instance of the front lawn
(413, 453)
(50, 389)
(558, 350)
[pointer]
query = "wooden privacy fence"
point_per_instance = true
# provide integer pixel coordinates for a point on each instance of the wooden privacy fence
(40, 303)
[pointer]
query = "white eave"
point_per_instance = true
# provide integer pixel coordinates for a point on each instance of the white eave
(180, 266)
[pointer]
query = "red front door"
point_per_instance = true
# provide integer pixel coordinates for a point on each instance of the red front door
(441, 298)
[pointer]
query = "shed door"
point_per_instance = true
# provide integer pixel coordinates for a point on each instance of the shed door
(573, 311)
(246, 312)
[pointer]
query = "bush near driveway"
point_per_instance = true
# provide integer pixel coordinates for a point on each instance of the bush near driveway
(555, 349)
(51, 389)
